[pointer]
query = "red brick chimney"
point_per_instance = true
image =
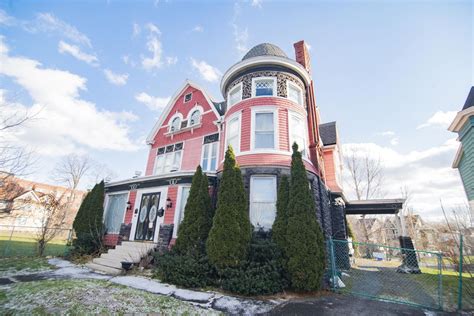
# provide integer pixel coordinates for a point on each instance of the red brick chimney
(302, 55)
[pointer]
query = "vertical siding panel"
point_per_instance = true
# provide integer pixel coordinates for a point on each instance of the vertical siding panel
(129, 213)
(245, 130)
(151, 161)
(283, 129)
(169, 212)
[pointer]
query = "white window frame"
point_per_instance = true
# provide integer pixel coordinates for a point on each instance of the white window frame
(173, 153)
(264, 109)
(170, 122)
(294, 85)
(194, 109)
(205, 168)
(177, 211)
(274, 79)
(238, 116)
(290, 135)
(252, 186)
(190, 99)
(106, 205)
(236, 87)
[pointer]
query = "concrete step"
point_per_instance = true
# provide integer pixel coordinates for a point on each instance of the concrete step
(109, 262)
(121, 257)
(103, 269)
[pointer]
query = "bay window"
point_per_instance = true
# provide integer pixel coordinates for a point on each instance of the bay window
(263, 201)
(233, 134)
(297, 129)
(264, 128)
(264, 86)
(235, 95)
(209, 152)
(168, 158)
(295, 93)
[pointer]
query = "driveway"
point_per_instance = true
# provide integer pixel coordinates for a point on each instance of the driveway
(337, 305)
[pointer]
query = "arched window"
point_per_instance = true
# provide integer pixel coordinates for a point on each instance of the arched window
(195, 118)
(175, 124)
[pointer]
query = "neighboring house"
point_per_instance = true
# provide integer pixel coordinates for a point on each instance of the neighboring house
(268, 105)
(21, 204)
(463, 124)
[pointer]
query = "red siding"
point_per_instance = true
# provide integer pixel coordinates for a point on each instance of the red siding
(169, 212)
(192, 154)
(245, 130)
(190, 160)
(111, 240)
(129, 214)
(284, 130)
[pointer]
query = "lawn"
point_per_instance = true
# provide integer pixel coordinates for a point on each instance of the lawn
(84, 297)
(27, 247)
(10, 266)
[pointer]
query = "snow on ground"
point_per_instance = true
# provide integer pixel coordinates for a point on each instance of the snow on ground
(145, 284)
(238, 306)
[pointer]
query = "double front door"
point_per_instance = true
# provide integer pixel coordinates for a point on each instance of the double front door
(147, 217)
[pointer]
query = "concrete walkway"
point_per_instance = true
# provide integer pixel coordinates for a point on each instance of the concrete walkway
(214, 300)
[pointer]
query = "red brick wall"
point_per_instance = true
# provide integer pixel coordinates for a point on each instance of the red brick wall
(111, 240)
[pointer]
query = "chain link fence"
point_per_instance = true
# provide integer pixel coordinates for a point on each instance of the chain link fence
(427, 279)
(22, 241)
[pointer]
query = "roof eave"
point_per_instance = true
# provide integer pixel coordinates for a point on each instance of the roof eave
(460, 119)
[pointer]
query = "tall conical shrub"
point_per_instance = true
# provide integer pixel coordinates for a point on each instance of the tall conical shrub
(194, 229)
(280, 224)
(229, 238)
(88, 223)
(304, 236)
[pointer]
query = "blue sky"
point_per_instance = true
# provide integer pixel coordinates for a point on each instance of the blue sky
(392, 74)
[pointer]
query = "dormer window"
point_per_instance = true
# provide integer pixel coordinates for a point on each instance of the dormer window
(265, 86)
(195, 118)
(175, 124)
(188, 97)
(235, 95)
(295, 93)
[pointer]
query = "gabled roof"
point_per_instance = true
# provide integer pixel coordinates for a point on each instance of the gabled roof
(328, 133)
(470, 100)
(174, 98)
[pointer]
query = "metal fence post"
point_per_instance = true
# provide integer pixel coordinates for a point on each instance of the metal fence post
(333, 263)
(460, 272)
(440, 281)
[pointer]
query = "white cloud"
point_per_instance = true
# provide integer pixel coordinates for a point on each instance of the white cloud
(47, 22)
(240, 34)
(388, 133)
(198, 28)
(153, 103)
(65, 122)
(5, 19)
(440, 118)
(208, 72)
(171, 60)
(136, 29)
(76, 52)
(256, 3)
(394, 141)
(427, 173)
(116, 79)
(154, 47)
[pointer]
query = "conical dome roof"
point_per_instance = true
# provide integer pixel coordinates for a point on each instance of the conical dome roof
(265, 49)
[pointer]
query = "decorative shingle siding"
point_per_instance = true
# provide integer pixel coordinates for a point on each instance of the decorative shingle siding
(322, 203)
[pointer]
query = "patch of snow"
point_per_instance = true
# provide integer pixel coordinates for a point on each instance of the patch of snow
(60, 263)
(193, 296)
(345, 274)
(144, 284)
(237, 306)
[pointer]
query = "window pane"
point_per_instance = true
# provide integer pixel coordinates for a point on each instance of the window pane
(233, 134)
(264, 121)
(213, 157)
(175, 124)
(298, 133)
(115, 211)
(168, 162)
(264, 140)
(235, 95)
(263, 202)
(182, 206)
(195, 117)
(263, 87)
(159, 164)
(177, 160)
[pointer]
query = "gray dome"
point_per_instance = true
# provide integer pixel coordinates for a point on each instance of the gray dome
(265, 49)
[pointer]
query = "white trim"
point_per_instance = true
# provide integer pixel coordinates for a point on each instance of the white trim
(166, 111)
(204, 168)
(195, 108)
(170, 122)
(239, 87)
(461, 119)
(177, 209)
(233, 116)
(162, 204)
(264, 109)
(182, 173)
(184, 97)
(106, 204)
(274, 90)
(294, 85)
(290, 128)
(264, 60)
(457, 158)
(252, 185)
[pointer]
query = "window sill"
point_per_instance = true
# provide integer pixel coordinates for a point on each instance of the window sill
(182, 130)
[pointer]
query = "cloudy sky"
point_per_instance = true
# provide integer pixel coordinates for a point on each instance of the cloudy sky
(98, 73)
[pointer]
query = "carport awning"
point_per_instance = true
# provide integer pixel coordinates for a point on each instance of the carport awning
(374, 207)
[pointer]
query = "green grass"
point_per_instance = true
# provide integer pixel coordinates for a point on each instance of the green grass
(18, 264)
(85, 297)
(28, 248)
